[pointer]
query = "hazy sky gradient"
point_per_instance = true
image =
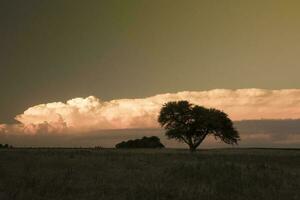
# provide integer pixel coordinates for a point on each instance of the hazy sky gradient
(55, 50)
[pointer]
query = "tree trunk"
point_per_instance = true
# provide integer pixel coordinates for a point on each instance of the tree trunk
(192, 148)
(193, 145)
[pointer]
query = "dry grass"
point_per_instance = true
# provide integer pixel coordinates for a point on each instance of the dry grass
(42, 174)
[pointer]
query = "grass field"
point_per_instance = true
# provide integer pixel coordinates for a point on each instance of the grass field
(237, 174)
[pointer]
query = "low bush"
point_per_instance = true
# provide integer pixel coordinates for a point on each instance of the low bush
(145, 142)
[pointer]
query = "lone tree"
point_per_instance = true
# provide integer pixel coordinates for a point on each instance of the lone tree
(190, 123)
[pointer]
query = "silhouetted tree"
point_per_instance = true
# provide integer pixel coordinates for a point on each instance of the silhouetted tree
(145, 142)
(190, 123)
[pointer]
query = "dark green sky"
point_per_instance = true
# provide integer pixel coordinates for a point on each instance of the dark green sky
(53, 50)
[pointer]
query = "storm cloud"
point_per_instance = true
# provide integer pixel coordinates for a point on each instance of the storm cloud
(80, 115)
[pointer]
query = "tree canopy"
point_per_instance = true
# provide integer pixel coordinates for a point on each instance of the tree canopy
(191, 123)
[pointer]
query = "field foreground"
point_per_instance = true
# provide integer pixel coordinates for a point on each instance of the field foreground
(42, 174)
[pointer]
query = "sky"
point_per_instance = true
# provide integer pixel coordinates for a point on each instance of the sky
(99, 54)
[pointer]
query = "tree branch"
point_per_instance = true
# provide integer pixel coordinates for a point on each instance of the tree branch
(184, 139)
(196, 144)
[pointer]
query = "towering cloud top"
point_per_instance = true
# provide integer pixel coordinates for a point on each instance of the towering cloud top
(88, 114)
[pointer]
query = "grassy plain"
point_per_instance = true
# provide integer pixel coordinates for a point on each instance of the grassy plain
(63, 174)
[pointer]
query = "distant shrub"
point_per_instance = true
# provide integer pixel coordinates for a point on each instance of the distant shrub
(98, 147)
(145, 142)
(5, 146)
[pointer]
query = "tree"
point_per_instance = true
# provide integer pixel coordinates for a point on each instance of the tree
(191, 123)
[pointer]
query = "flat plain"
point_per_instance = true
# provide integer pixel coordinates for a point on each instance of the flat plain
(223, 174)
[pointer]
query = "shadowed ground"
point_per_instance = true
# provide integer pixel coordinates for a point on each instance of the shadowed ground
(149, 174)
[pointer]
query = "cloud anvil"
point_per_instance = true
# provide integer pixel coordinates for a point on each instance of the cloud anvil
(91, 113)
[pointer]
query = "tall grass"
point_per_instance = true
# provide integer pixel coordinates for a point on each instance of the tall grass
(60, 174)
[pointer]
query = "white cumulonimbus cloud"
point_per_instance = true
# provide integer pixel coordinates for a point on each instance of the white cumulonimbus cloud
(89, 114)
